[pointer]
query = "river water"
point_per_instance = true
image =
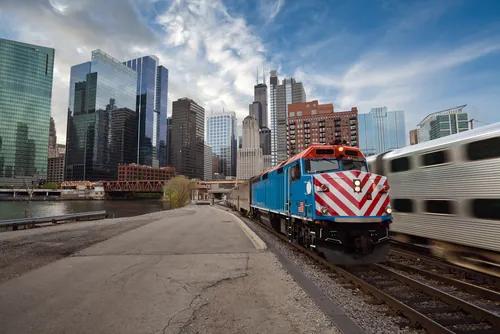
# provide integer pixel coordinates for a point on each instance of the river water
(118, 208)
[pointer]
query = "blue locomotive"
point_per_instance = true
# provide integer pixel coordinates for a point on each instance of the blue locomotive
(325, 199)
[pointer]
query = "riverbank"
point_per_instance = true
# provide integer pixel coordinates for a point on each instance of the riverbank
(23, 251)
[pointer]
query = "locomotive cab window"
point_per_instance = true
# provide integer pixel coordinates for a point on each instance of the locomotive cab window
(400, 165)
(484, 149)
(322, 165)
(434, 158)
(351, 164)
(295, 172)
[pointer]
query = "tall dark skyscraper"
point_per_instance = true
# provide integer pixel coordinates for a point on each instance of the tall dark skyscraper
(151, 107)
(169, 141)
(259, 110)
(188, 129)
(102, 124)
(26, 73)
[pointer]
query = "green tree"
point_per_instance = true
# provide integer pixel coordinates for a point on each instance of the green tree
(178, 191)
(50, 185)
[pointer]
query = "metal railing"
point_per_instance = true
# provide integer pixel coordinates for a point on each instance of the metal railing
(15, 223)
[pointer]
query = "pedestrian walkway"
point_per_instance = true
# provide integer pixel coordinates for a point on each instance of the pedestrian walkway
(196, 271)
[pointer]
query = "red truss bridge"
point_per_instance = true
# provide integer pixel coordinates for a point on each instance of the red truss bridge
(135, 186)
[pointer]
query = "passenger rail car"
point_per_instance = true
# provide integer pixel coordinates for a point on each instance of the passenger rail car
(325, 199)
(446, 192)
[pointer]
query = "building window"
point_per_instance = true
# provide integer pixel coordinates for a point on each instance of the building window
(484, 149)
(434, 158)
(443, 207)
(486, 208)
(313, 111)
(400, 165)
(307, 105)
(299, 113)
(292, 113)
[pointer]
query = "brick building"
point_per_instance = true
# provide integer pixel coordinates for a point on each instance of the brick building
(133, 172)
(311, 122)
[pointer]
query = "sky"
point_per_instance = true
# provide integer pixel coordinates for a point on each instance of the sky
(417, 56)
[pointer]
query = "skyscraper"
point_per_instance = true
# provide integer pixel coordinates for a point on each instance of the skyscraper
(188, 128)
(281, 96)
(207, 163)
(259, 110)
(169, 142)
(151, 107)
(102, 124)
(381, 130)
(414, 136)
(26, 73)
(221, 136)
(250, 158)
(52, 139)
(443, 123)
(311, 122)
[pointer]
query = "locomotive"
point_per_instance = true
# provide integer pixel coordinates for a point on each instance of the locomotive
(446, 195)
(325, 199)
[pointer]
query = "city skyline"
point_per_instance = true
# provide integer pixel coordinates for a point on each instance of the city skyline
(409, 68)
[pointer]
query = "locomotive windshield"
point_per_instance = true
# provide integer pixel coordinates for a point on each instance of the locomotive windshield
(333, 165)
(354, 165)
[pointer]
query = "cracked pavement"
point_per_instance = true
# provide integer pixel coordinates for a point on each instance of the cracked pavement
(188, 272)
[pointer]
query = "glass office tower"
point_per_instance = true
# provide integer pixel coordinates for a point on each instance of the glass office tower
(26, 73)
(102, 125)
(151, 106)
(443, 123)
(381, 130)
(221, 136)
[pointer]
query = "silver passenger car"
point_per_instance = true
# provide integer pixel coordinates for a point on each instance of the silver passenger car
(447, 192)
(239, 198)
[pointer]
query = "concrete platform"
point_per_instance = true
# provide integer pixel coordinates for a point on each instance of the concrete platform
(196, 271)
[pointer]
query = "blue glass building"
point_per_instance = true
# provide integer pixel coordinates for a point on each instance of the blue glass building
(222, 137)
(381, 130)
(151, 107)
(102, 124)
(26, 73)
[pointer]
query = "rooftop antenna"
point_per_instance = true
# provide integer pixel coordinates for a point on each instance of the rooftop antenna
(263, 76)
(257, 75)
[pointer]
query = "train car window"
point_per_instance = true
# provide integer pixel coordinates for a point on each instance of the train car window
(484, 149)
(443, 207)
(486, 208)
(264, 177)
(434, 158)
(402, 205)
(280, 170)
(400, 165)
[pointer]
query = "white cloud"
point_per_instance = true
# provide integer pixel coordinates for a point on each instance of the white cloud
(211, 56)
(270, 9)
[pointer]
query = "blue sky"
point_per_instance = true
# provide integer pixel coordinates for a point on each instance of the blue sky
(417, 56)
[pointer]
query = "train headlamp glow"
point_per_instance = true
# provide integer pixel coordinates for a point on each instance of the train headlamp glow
(388, 210)
(341, 149)
(324, 210)
(357, 189)
(357, 183)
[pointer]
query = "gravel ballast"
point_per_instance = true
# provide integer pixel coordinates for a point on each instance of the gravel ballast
(355, 303)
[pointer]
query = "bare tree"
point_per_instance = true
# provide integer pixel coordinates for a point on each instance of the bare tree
(178, 191)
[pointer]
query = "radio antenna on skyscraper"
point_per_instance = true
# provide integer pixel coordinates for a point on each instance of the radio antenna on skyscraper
(257, 76)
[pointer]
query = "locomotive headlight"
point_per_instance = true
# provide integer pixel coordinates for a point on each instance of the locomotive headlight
(324, 210)
(388, 210)
(357, 183)
(357, 189)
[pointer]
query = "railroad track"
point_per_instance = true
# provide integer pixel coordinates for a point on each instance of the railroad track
(437, 303)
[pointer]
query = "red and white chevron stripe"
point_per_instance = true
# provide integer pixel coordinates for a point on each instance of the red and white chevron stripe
(342, 200)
